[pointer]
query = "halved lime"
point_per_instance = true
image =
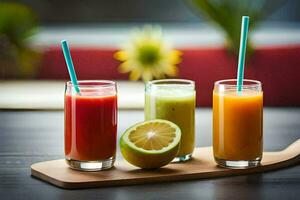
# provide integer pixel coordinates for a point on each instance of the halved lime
(151, 144)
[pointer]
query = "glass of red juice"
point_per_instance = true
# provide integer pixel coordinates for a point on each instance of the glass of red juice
(91, 125)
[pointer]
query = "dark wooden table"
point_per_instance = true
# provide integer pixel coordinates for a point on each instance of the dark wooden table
(29, 137)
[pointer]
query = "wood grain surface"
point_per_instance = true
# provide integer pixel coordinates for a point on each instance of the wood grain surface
(201, 166)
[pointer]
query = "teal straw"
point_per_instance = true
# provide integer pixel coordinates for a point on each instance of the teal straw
(242, 52)
(69, 62)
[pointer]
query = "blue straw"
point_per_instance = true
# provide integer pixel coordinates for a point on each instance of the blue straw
(242, 52)
(69, 62)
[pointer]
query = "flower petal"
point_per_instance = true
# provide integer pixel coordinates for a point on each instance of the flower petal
(175, 57)
(135, 74)
(147, 75)
(157, 73)
(171, 70)
(121, 55)
(125, 67)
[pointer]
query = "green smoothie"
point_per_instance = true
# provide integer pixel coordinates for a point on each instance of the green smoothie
(176, 105)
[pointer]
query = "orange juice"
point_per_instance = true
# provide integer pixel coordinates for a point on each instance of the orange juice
(237, 125)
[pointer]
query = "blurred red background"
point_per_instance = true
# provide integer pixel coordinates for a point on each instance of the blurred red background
(276, 67)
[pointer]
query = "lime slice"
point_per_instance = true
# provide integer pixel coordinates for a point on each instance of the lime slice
(151, 144)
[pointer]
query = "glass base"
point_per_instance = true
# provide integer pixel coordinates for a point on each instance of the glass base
(91, 165)
(182, 158)
(238, 164)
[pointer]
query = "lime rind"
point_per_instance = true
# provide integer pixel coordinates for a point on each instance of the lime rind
(172, 145)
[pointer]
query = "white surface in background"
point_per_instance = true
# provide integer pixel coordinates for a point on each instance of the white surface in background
(181, 35)
(50, 95)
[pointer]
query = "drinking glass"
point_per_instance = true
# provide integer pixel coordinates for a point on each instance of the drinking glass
(174, 100)
(237, 123)
(91, 125)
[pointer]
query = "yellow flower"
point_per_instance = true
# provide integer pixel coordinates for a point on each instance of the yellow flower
(148, 56)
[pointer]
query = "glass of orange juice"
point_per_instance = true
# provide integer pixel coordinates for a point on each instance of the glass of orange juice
(237, 123)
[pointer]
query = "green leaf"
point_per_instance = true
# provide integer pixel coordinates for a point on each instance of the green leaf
(17, 23)
(227, 15)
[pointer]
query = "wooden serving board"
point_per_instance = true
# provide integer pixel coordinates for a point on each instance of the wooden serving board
(201, 166)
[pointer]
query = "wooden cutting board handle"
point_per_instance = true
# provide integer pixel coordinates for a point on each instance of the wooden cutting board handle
(293, 148)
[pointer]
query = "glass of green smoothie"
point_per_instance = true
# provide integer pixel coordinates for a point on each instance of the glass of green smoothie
(174, 100)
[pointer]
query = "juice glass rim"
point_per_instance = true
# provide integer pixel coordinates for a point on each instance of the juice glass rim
(232, 84)
(167, 83)
(171, 82)
(93, 83)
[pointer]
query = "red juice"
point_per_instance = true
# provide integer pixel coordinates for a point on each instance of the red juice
(90, 127)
